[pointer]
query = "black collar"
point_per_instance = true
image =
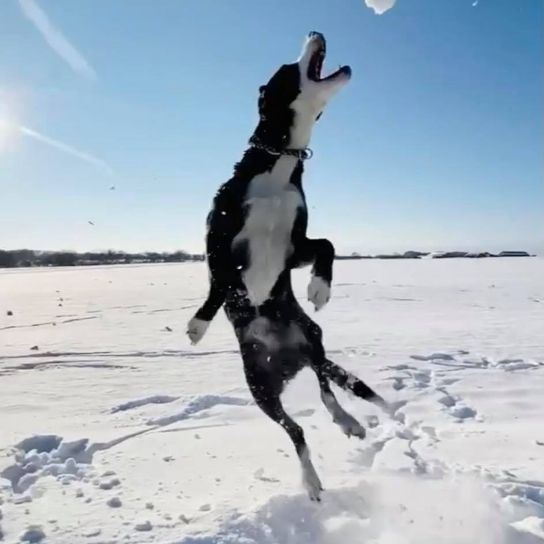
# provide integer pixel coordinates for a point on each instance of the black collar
(300, 154)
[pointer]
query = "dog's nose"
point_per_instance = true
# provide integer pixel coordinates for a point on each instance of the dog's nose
(314, 34)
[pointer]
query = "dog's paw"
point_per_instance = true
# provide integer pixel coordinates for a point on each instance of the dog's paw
(196, 329)
(319, 292)
(351, 427)
(355, 430)
(310, 479)
(313, 486)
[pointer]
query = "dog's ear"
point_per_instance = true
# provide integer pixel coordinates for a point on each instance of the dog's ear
(262, 102)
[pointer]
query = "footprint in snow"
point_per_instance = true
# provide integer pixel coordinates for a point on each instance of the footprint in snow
(462, 412)
(144, 526)
(33, 534)
(434, 357)
(259, 475)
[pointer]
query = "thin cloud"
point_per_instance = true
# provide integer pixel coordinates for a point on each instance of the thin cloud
(56, 39)
(380, 6)
(82, 155)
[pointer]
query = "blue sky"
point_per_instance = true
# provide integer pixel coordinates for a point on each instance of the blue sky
(437, 142)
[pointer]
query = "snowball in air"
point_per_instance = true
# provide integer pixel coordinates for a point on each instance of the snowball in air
(380, 6)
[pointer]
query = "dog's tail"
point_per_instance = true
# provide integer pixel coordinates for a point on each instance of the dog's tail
(349, 382)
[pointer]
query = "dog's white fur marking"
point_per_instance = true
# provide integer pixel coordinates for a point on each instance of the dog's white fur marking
(273, 202)
(273, 205)
(310, 479)
(306, 110)
(312, 99)
(352, 380)
(319, 292)
(196, 329)
(347, 422)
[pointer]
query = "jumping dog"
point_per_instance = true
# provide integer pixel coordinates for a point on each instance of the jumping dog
(256, 234)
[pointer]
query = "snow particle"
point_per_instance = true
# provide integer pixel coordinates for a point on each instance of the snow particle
(9, 313)
(149, 505)
(205, 508)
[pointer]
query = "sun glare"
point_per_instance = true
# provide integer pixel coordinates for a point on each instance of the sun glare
(8, 134)
(9, 120)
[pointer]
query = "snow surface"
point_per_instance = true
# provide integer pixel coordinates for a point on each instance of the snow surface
(113, 428)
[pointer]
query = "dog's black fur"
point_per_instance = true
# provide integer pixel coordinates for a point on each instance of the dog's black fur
(277, 338)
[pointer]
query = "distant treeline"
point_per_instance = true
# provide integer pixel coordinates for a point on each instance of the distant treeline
(439, 255)
(29, 257)
(18, 258)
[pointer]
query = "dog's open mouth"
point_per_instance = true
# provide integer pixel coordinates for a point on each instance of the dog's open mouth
(317, 59)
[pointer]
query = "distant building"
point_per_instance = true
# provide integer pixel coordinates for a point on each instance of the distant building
(353, 256)
(390, 256)
(479, 255)
(450, 255)
(514, 254)
(414, 254)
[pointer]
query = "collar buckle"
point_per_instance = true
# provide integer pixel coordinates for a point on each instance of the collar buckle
(301, 154)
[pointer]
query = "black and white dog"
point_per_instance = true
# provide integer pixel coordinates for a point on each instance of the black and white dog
(257, 235)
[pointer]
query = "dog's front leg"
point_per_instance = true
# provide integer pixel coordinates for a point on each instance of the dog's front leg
(199, 323)
(320, 253)
(224, 221)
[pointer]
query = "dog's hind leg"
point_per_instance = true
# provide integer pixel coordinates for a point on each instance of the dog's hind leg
(265, 386)
(351, 383)
(349, 425)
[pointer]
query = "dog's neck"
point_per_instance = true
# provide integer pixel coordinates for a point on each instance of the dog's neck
(256, 161)
(304, 118)
(297, 135)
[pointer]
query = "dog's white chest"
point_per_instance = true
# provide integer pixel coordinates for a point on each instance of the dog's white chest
(272, 208)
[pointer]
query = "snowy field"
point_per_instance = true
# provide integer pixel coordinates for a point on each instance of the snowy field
(114, 429)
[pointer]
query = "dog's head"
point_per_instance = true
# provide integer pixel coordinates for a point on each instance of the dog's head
(294, 98)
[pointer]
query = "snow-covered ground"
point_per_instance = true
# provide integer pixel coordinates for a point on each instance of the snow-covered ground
(114, 429)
